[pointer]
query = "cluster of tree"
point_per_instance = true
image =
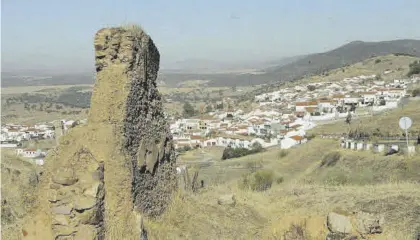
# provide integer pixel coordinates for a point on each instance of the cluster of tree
(414, 68)
(189, 110)
(75, 99)
(71, 97)
(415, 92)
(230, 152)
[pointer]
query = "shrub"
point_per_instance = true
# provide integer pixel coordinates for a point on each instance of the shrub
(259, 181)
(378, 61)
(414, 68)
(330, 159)
(186, 148)
(283, 153)
(415, 92)
(279, 180)
(296, 232)
(230, 152)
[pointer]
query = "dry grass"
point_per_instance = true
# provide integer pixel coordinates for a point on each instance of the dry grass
(374, 183)
(18, 182)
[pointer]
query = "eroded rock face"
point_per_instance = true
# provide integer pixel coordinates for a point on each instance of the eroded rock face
(122, 162)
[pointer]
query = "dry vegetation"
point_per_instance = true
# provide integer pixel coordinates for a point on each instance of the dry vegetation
(18, 183)
(353, 181)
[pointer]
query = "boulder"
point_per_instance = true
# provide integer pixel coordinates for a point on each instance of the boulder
(92, 190)
(228, 199)
(61, 231)
(60, 220)
(367, 223)
(340, 236)
(90, 217)
(338, 223)
(64, 176)
(84, 202)
(65, 209)
(52, 195)
(86, 232)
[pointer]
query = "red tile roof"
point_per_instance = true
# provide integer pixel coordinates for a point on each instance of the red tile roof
(296, 137)
(311, 103)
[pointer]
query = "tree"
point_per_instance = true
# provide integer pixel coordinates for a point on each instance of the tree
(209, 108)
(221, 93)
(415, 92)
(188, 110)
(378, 77)
(414, 68)
(348, 121)
(311, 87)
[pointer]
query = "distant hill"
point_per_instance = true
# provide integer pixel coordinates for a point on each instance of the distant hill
(300, 66)
(272, 72)
(347, 54)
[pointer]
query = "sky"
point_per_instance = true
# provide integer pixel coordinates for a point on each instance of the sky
(58, 35)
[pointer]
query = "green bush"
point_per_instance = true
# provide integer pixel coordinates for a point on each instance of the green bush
(283, 153)
(414, 68)
(259, 181)
(415, 92)
(240, 152)
(279, 180)
(378, 61)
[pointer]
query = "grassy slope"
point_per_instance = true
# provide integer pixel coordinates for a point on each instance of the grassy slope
(398, 64)
(386, 122)
(308, 193)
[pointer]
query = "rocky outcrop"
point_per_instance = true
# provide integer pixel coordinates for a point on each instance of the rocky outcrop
(346, 226)
(121, 163)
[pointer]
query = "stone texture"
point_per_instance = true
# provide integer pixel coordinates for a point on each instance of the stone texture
(228, 199)
(83, 203)
(340, 236)
(66, 210)
(60, 220)
(338, 223)
(367, 223)
(64, 176)
(123, 160)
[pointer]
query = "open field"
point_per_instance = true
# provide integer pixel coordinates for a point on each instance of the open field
(17, 114)
(40, 89)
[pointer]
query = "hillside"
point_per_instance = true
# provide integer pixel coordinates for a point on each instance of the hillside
(347, 54)
(307, 191)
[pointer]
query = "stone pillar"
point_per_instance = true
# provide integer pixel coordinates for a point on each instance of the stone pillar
(122, 162)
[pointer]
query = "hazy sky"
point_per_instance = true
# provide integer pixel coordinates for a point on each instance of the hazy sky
(58, 34)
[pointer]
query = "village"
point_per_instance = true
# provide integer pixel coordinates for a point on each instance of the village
(20, 138)
(283, 117)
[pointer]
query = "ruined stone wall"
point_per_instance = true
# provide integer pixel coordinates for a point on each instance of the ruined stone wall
(122, 163)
